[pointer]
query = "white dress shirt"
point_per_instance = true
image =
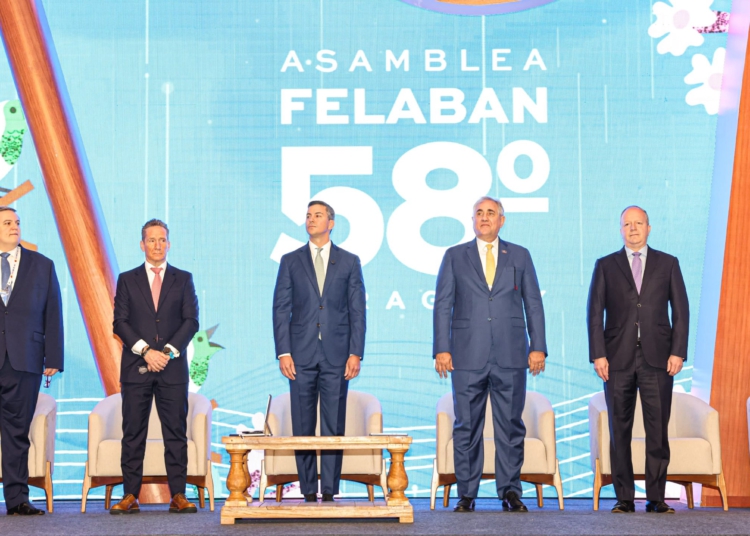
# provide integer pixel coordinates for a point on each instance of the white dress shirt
(141, 344)
(482, 247)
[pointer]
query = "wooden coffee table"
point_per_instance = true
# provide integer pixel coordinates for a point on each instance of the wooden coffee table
(238, 506)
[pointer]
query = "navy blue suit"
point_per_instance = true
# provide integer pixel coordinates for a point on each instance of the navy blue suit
(31, 340)
(320, 333)
(486, 334)
(174, 323)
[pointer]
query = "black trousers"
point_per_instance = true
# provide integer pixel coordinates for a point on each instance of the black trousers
(319, 379)
(19, 392)
(655, 386)
(172, 407)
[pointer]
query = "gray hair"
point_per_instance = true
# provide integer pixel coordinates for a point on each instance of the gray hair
(329, 209)
(500, 208)
(153, 223)
(4, 208)
(635, 206)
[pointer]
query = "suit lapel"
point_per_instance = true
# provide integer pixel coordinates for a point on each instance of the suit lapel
(652, 264)
(307, 264)
(141, 281)
(475, 261)
(24, 267)
(170, 274)
(622, 262)
(502, 260)
(333, 257)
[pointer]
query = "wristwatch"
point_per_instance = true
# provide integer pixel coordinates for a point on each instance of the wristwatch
(168, 352)
(145, 349)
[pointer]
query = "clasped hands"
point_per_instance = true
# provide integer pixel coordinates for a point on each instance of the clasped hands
(156, 361)
(444, 363)
(286, 366)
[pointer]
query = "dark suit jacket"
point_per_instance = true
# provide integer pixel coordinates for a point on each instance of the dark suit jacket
(468, 317)
(175, 322)
(32, 332)
(300, 312)
(613, 292)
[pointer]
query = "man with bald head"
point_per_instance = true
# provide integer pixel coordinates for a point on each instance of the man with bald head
(636, 350)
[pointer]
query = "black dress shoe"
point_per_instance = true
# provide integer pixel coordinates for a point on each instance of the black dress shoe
(311, 497)
(623, 507)
(512, 503)
(466, 504)
(25, 509)
(659, 507)
(327, 497)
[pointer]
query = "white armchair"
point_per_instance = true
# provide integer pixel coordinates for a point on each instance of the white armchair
(540, 452)
(694, 444)
(363, 417)
(42, 450)
(105, 447)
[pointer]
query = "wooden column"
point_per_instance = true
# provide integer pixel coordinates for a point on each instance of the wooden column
(730, 385)
(67, 176)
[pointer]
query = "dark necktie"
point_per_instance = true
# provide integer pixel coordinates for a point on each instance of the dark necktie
(5, 276)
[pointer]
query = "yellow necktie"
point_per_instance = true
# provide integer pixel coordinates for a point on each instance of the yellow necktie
(489, 272)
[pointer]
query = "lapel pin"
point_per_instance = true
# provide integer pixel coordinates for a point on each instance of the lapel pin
(504, 251)
(333, 261)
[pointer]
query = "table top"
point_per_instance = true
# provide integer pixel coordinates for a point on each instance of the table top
(316, 442)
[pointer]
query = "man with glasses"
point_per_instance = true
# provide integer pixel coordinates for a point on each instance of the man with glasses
(31, 345)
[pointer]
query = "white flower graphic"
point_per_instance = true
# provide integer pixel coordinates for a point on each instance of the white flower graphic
(708, 75)
(680, 23)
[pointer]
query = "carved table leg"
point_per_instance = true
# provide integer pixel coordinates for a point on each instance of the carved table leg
(237, 481)
(248, 480)
(397, 479)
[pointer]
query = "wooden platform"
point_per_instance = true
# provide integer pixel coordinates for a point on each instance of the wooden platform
(239, 506)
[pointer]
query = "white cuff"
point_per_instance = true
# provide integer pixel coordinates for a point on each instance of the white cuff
(139, 346)
(174, 350)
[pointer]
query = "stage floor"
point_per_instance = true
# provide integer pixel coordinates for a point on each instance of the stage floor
(578, 518)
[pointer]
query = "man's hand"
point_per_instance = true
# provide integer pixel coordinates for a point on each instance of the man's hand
(352, 367)
(674, 365)
(286, 366)
(49, 372)
(536, 362)
(156, 361)
(443, 364)
(601, 366)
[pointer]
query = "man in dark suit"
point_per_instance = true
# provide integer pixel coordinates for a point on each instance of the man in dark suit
(319, 331)
(484, 288)
(638, 350)
(31, 345)
(156, 316)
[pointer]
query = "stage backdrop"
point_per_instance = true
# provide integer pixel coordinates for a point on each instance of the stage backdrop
(224, 118)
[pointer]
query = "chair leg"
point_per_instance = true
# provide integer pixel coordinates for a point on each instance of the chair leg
(263, 484)
(723, 490)
(86, 488)
(689, 494)
(108, 496)
(279, 492)
(48, 487)
(446, 495)
(558, 486)
(384, 480)
(201, 497)
(597, 484)
(539, 496)
(433, 484)
(210, 485)
(370, 492)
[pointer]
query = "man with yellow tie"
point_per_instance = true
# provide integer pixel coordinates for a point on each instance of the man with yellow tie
(484, 289)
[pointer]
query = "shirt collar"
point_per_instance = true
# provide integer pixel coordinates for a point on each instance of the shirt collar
(643, 252)
(163, 266)
(314, 249)
(13, 253)
(482, 245)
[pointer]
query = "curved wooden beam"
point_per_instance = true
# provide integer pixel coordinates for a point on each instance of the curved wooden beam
(67, 177)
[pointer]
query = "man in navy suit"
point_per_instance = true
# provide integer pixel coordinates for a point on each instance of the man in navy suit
(319, 331)
(31, 345)
(638, 350)
(156, 316)
(484, 288)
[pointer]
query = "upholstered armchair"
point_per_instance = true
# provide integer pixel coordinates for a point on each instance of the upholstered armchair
(42, 450)
(540, 455)
(363, 417)
(105, 446)
(694, 444)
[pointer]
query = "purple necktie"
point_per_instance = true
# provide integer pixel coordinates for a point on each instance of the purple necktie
(637, 269)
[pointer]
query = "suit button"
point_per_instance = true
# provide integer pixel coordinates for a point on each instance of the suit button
(638, 305)
(489, 320)
(321, 306)
(635, 323)
(3, 332)
(157, 320)
(6, 312)
(490, 299)
(318, 324)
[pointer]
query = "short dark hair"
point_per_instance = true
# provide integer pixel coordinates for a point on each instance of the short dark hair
(329, 209)
(4, 208)
(635, 206)
(153, 223)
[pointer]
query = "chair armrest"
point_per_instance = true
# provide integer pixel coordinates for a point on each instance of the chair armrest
(374, 417)
(694, 418)
(102, 426)
(541, 425)
(443, 431)
(42, 432)
(201, 432)
(599, 432)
